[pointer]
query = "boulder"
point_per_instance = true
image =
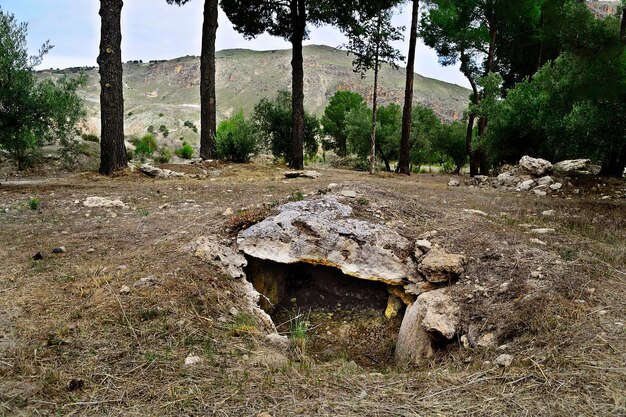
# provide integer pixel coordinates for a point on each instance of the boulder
(95, 202)
(155, 172)
(453, 182)
(439, 266)
(302, 174)
(574, 166)
(535, 166)
(433, 316)
(525, 185)
(508, 179)
(323, 232)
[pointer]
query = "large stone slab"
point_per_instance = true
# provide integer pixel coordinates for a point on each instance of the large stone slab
(535, 166)
(323, 232)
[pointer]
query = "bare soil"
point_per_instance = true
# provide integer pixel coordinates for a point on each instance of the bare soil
(72, 344)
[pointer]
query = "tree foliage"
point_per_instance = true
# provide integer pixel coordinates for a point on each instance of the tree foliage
(33, 113)
(334, 118)
(273, 120)
(237, 139)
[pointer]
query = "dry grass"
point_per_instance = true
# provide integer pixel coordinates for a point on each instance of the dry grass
(64, 319)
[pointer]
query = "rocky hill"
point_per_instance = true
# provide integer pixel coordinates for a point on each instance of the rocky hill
(167, 92)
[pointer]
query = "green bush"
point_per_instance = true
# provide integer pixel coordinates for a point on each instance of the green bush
(185, 151)
(34, 203)
(165, 155)
(237, 139)
(90, 137)
(150, 129)
(146, 146)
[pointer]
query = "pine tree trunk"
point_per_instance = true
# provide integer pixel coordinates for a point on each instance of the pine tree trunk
(374, 109)
(112, 149)
(298, 18)
(207, 81)
(468, 145)
(405, 148)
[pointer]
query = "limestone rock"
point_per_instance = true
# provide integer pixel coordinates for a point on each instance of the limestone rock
(545, 181)
(155, 172)
(149, 281)
(348, 193)
(423, 245)
(556, 186)
(535, 166)
(574, 166)
(525, 185)
(268, 358)
(212, 251)
(322, 232)
(508, 179)
(543, 230)
(453, 182)
(478, 212)
(302, 174)
(505, 360)
(433, 316)
(94, 202)
(440, 266)
(192, 360)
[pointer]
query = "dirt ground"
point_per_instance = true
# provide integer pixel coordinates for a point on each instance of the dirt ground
(75, 341)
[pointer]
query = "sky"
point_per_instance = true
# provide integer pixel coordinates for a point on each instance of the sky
(152, 29)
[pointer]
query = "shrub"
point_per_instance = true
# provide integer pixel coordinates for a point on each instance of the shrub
(90, 137)
(160, 114)
(185, 151)
(236, 139)
(34, 203)
(162, 128)
(150, 129)
(146, 146)
(165, 154)
(130, 113)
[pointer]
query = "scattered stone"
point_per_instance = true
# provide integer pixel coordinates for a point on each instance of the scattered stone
(525, 185)
(538, 242)
(440, 266)
(540, 193)
(103, 202)
(59, 250)
(536, 274)
(155, 172)
(148, 281)
(38, 256)
(465, 342)
(277, 341)
(125, 289)
(264, 414)
(233, 311)
(269, 359)
(535, 166)
(548, 213)
(302, 174)
(508, 179)
(428, 235)
(505, 360)
(545, 181)
(423, 245)
(472, 211)
(543, 231)
(91, 250)
(503, 347)
(362, 395)
(348, 193)
(487, 340)
(454, 182)
(504, 287)
(228, 212)
(193, 360)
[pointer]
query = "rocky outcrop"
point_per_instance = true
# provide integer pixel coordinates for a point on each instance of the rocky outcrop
(575, 167)
(439, 266)
(535, 166)
(155, 172)
(322, 232)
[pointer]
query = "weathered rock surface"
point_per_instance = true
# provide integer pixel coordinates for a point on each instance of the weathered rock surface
(440, 266)
(574, 166)
(155, 172)
(302, 174)
(94, 202)
(453, 182)
(323, 232)
(433, 316)
(535, 166)
(209, 250)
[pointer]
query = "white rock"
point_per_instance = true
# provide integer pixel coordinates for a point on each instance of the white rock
(233, 311)
(545, 181)
(211, 251)
(125, 289)
(423, 245)
(509, 179)
(348, 193)
(103, 202)
(535, 166)
(193, 360)
(556, 186)
(487, 340)
(538, 242)
(453, 182)
(302, 174)
(505, 360)
(574, 166)
(548, 213)
(543, 231)
(472, 211)
(228, 212)
(540, 193)
(148, 281)
(525, 185)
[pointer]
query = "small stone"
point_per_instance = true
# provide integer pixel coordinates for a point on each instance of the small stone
(228, 212)
(192, 360)
(428, 235)
(538, 242)
(503, 347)
(536, 275)
(264, 414)
(277, 341)
(454, 183)
(103, 202)
(148, 281)
(525, 185)
(545, 181)
(440, 266)
(505, 360)
(125, 289)
(233, 311)
(122, 268)
(465, 341)
(91, 250)
(472, 211)
(362, 395)
(556, 186)
(423, 245)
(548, 213)
(348, 193)
(222, 319)
(486, 340)
(38, 256)
(540, 193)
(503, 288)
(58, 250)
(543, 231)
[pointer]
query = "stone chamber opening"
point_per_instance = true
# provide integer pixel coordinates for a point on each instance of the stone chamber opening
(345, 316)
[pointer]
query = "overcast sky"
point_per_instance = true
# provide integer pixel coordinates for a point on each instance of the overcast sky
(151, 29)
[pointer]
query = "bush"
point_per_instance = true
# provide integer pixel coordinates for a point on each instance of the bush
(185, 151)
(146, 146)
(165, 155)
(34, 203)
(90, 137)
(236, 139)
(150, 129)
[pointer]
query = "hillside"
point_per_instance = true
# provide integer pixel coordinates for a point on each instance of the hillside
(171, 88)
